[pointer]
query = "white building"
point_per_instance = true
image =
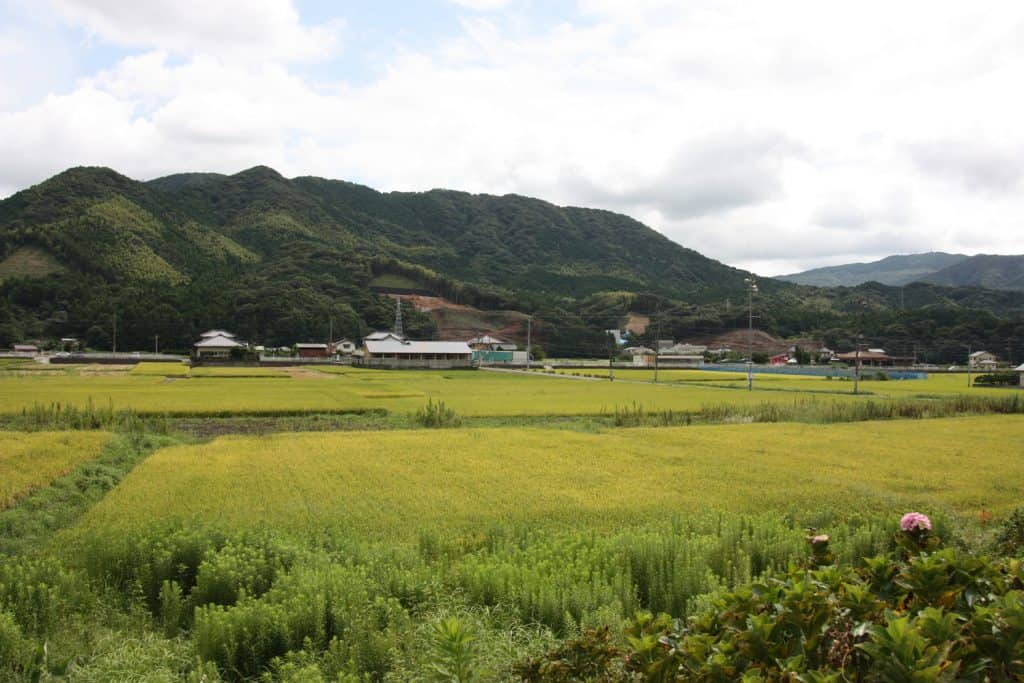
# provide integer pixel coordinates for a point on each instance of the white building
(215, 346)
(489, 343)
(682, 349)
(983, 360)
(344, 347)
(393, 352)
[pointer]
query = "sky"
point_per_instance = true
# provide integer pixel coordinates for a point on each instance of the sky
(773, 136)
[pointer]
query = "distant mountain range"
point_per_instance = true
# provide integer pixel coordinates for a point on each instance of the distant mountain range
(935, 267)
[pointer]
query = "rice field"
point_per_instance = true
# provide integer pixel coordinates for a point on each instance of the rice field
(160, 370)
(346, 548)
(469, 393)
(31, 460)
(937, 384)
(394, 485)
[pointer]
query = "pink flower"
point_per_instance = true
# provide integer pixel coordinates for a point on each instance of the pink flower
(915, 521)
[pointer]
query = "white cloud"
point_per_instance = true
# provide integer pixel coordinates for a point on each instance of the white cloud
(777, 136)
(246, 29)
(482, 5)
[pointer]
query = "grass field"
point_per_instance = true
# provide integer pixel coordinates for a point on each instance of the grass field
(560, 504)
(260, 390)
(469, 393)
(394, 485)
(28, 461)
(935, 384)
(160, 370)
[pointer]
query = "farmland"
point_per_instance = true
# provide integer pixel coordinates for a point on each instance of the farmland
(301, 523)
(28, 461)
(280, 390)
(395, 485)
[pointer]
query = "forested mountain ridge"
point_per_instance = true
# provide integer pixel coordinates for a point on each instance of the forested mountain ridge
(993, 271)
(280, 260)
(896, 270)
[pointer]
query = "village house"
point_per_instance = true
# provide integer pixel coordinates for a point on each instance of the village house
(1020, 371)
(683, 349)
(391, 351)
(25, 348)
(308, 350)
(873, 358)
(982, 360)
(642, 356)
(779, 359)
(215, 345)
(344, 347)
(489, 343)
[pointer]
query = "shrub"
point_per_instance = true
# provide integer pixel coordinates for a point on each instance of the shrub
(997, 379)
(1010, 539)
(453, 646)
(436, 415)
(922, 613)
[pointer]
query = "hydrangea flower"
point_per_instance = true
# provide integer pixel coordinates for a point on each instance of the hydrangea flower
(915, 521)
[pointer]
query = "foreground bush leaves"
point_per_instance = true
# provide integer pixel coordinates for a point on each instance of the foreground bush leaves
(934, 615)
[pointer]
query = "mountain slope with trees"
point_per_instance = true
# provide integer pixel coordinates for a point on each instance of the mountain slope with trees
(984, 270)
(283, 260)
(901, 269)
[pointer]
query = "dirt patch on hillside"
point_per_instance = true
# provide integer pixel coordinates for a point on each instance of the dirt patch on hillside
(459, 322)
(637, 323)
(761, 341)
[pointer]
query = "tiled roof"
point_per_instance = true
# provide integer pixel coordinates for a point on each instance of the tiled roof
(216, 342)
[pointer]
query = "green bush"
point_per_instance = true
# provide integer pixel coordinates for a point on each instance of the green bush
(997, 379)
(1010, 538)
(436, 415)
(918, 614)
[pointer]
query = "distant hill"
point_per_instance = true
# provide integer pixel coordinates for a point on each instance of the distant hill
(984, 270)
(892, 270)
(279, 260)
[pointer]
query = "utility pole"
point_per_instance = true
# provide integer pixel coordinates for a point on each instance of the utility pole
(156, 343)
(657, 333)
(968, 366)
(529, 330)
(114, 344)
(751, 290)
(611, 356)
(860, 339)
(856, 366)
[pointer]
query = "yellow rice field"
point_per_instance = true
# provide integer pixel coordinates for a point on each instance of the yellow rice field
(31, 460)
(392, 485)
(469, 393)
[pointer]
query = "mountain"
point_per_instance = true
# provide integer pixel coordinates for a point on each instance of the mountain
(984, 270)
(280, 260)
(892, 270)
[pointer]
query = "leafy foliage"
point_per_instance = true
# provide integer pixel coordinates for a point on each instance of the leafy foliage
(929, 615)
